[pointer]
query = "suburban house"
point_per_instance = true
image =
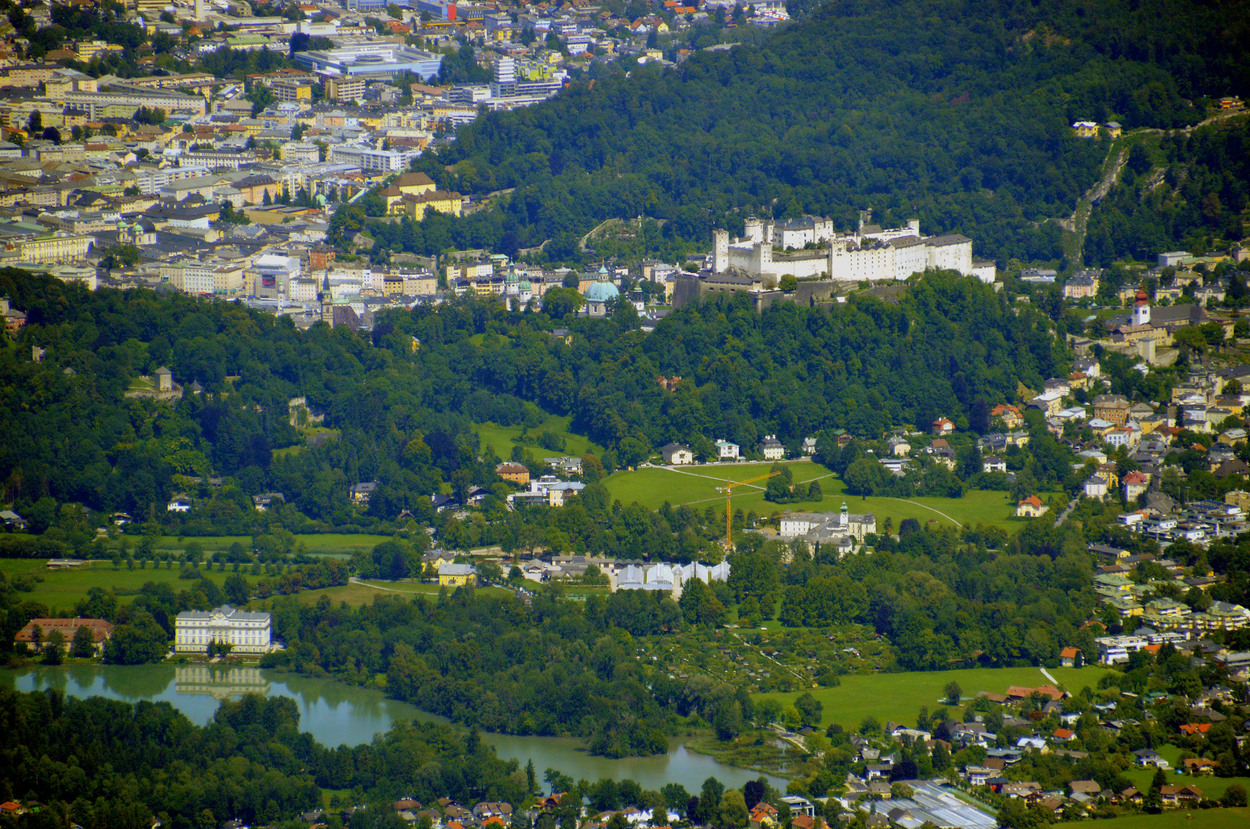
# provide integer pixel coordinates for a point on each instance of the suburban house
(517, 473)
(727, 451)
(677, 455)
(457, 575)
(771, 448)
(993, 463)
(942, 426)
(1095, 487)
(361, 493)
(1071, 657)
(1031, 507)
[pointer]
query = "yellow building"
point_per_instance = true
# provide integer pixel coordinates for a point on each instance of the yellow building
(456, 575)
(54, 248)
(437, 200)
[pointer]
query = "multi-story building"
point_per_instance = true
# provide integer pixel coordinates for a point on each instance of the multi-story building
(245, 631)
(344, 88)
(54, 248)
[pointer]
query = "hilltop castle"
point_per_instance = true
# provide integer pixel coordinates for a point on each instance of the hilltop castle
(809, 247)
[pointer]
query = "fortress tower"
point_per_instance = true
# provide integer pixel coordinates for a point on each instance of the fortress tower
(720, 251)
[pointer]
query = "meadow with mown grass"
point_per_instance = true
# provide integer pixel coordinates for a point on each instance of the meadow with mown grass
(899, 697)
(60, 590)
(700, 486)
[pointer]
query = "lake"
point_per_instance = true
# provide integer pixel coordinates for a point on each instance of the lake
(335, 713)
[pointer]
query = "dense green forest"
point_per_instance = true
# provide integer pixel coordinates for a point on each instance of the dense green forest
(1175, 192)
(951, 347)
(103, 763)
(956, 112)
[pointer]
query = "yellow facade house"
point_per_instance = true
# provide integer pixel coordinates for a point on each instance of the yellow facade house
(456, 575)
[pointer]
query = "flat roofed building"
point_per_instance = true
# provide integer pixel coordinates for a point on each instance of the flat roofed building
(245, 631)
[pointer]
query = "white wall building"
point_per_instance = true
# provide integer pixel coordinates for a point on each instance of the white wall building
(771, 250)
(246, 631)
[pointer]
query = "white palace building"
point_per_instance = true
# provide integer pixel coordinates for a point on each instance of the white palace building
(810, 248)
(245, 631)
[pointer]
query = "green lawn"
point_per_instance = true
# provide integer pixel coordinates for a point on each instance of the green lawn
(1183, 819)
(697, 486)
(60, 590)
(503, 438)
(1212, 786)
(899, 697)
(330, 544)
(357, 593)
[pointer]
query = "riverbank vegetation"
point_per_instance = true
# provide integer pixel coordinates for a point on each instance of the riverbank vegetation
(99, 762)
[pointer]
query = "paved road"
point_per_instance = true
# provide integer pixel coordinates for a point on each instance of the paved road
(1063, 516)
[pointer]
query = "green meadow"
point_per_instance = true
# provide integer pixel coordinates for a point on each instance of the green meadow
(60, 590)
(502, 438)
(1183, 819)
(698, 486)
(899, 697)
(339, 545)
(365, 592)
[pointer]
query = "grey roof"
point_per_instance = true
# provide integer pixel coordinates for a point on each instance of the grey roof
(232, 614)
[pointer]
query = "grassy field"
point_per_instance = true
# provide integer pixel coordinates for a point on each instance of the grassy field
(361, 593)
(1184, 819)
(899, 697)
(328, 544)
(503, 438)
(60, 590)
(697, 486)
(1212, 787)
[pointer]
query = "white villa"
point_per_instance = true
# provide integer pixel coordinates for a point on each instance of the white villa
(245, 631)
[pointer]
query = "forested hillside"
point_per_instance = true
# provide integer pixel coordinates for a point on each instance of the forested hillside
(957, 112)
(1175, 192)
(951, 347)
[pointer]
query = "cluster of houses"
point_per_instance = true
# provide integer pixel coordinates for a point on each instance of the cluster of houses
(1147, 602)
(226, 189)
(769, 449)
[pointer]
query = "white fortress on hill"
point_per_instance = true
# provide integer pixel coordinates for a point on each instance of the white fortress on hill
(809, 247)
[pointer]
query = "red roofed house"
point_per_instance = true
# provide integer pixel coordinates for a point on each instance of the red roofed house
(1008, 414)
(1195, 729)
(1135, 483)
(1064, 735)
(1018, 692)
(763, 815)
(101, 631)
(1031, 507)
(1071, 657)
(942, 426)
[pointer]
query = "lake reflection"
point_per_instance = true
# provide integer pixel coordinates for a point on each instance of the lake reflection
(335, 713)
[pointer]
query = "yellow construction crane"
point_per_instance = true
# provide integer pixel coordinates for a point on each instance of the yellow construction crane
(729, 487)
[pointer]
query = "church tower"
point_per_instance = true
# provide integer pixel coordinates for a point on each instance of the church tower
(1141, 308)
